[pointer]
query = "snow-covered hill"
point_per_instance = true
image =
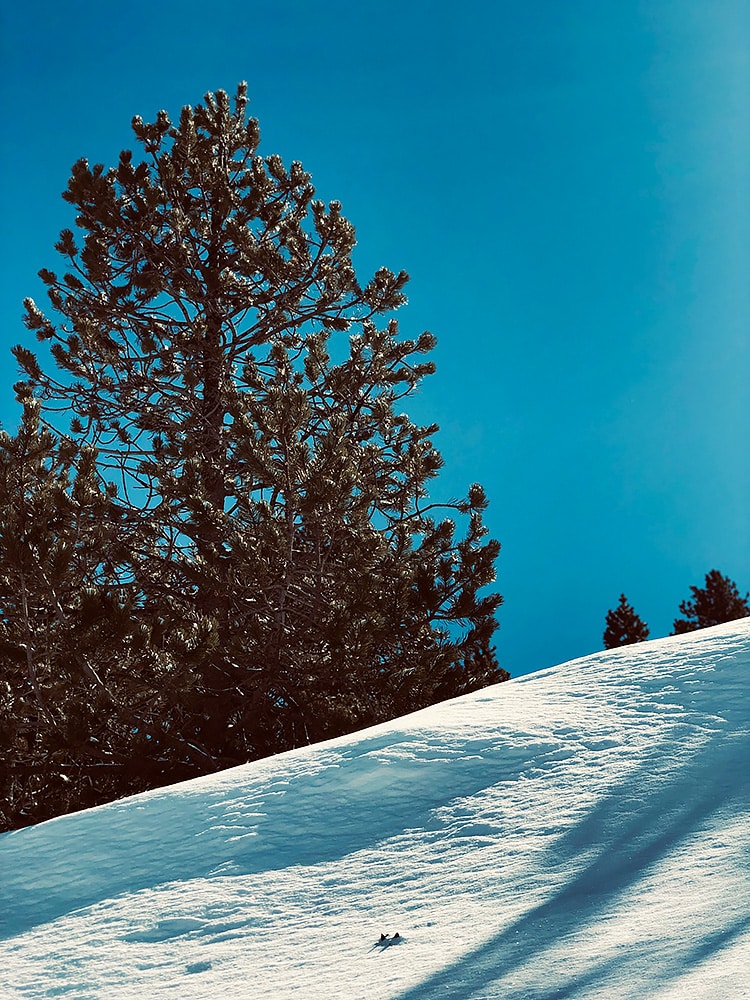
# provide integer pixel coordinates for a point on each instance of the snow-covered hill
(580, 832)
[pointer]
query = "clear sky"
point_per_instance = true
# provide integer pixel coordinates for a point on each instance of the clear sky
(567, 183)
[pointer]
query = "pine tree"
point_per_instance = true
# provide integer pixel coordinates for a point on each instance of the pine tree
(48, 526)
(243, 390)
(624, 626)
(85, 693)
(718, 601)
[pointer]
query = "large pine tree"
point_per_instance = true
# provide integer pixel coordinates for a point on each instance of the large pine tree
(716, 602)
(624, 626)
(242, 390)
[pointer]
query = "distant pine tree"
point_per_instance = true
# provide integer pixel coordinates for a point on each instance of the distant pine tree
(624, 626)
(718, 601)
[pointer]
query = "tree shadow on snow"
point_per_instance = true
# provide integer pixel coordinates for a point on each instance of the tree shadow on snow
(640, 823)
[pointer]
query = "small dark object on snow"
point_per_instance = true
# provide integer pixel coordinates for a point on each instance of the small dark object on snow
(385, 941)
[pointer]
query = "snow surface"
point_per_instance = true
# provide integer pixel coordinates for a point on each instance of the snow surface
(581, 832)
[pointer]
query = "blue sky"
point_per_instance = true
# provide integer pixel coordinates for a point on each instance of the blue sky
(567, 183)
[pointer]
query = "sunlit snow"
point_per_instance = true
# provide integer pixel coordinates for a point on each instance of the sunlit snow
(582, 832)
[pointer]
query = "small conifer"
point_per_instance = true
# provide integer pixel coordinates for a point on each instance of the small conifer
(716, 602)
(624, 626)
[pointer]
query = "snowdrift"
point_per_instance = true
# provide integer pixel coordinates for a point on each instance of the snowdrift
(581, 832)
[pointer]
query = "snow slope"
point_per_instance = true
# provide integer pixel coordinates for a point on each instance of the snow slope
(579, 832)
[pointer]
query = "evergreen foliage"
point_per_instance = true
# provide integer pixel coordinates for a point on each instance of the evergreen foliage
(252, 513)
(624, 626)
(84, 691)
(716, 602)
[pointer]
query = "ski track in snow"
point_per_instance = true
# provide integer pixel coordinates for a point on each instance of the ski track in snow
(581, 832)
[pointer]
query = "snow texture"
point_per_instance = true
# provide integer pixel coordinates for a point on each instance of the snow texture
(581, 832)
